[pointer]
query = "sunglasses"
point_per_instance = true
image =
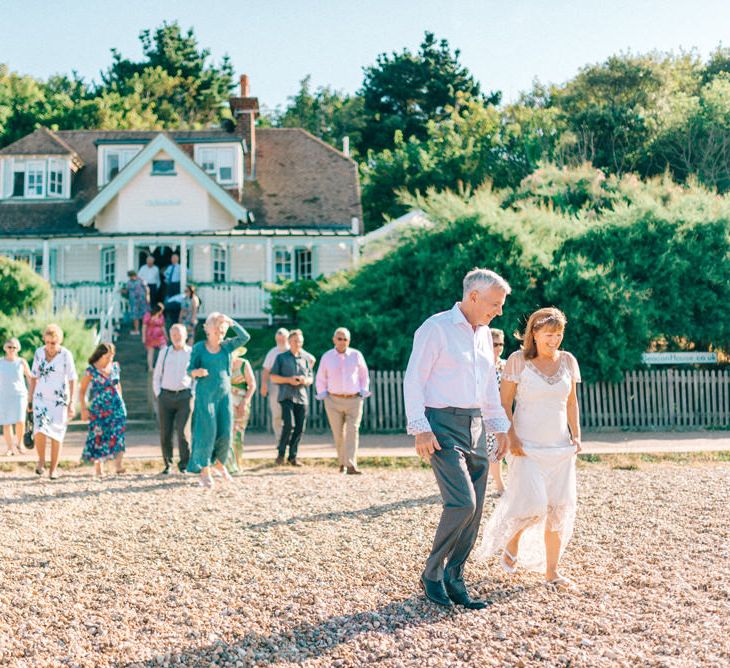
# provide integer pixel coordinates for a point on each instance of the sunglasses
(341, 338)
(11, 347)
(498, 345)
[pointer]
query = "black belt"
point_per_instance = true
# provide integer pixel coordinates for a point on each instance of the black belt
(187, 389)
(471, 412)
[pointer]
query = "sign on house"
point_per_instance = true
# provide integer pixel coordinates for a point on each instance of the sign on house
(679, 358)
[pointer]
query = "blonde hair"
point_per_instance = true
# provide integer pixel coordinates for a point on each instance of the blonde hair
(54, 330)
(14, 341)
(549, 317)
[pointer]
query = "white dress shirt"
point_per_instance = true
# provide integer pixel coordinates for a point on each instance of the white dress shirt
(171, 370)
(150, 275)
(451, 364)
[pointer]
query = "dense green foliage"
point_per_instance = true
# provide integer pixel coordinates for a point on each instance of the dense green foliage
(289, 297)
(635, 265)
(21, 289)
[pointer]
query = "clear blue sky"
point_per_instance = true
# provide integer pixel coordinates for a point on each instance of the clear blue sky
(505, 44)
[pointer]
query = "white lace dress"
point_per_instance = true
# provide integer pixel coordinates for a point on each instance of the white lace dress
(541, 492)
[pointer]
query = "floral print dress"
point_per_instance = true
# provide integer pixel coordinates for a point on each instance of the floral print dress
(137, 295)
(107, 416)
(51, 396)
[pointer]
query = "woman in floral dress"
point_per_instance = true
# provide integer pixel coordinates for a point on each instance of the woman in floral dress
(189, 311)
(137, 294)
(105, 411)
(51, 391)
(153, 333)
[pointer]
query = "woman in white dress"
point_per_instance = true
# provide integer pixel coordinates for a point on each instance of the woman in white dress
(52, 391)
(533, 522)
(14, 372)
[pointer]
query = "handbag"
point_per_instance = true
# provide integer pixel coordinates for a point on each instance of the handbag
(28, 441)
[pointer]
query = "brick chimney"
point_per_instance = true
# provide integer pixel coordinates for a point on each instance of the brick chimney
(245, 109)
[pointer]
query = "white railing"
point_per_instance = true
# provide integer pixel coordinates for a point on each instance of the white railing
(89, 301)
(238, 301)
(109, 321)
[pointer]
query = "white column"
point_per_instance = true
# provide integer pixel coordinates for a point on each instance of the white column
(270, 267)
(46, 267)
(130, 255)
(183, 264)
(355, 251)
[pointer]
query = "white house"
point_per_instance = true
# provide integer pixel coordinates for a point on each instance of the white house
(241, 206)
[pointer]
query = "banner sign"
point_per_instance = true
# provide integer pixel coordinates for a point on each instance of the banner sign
(679, 358)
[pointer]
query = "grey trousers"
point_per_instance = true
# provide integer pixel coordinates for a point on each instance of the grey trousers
(461, 468)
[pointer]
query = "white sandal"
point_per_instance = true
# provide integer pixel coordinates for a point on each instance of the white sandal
(561, 582)
(503, 562)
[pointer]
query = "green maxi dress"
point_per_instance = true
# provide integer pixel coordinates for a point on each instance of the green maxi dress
(212, 411)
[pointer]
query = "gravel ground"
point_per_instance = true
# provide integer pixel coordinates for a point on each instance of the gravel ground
(311, 568)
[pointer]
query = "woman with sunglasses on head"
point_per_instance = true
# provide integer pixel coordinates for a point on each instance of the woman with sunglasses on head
(14, 372)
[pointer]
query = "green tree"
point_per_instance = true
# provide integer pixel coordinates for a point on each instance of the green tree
(289, 297)
(21, 289)
(403, 91)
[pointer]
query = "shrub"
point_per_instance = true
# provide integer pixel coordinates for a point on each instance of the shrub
(21, 289)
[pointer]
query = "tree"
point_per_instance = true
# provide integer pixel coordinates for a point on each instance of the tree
(328, 114)
(21, 289)
(289, 297)
(403, 91)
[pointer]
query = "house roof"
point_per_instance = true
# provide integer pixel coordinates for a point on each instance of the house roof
(162, 142)
(300, 181)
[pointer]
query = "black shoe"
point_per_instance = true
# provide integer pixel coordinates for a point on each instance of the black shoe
(279, 461)
(436, 592)
(351, 470)
(456, 591)
(295, 462)
(183, 469)
(166, 470)
(343, 469)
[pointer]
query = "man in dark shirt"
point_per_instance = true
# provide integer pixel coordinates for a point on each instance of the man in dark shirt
(292, 371)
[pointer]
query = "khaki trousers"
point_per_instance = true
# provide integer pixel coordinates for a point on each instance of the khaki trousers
(344, 416)
(275, 410)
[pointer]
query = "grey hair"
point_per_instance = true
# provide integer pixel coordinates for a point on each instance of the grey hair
(283, 331)
(12, 339)
(483, 279)
(343, 330)
(181, 328)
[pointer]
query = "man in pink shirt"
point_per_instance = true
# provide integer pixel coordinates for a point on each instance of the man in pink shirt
(343, 382)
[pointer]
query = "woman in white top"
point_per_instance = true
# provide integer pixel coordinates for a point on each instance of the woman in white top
(14, 372)
(533, 522)
(52, 391)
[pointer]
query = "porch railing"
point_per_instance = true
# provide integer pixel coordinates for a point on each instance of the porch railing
(239, 300)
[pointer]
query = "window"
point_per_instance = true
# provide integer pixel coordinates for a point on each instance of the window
(35, 260)
(19, 183)
(108, 265)
(115, 160)
(303, 261)
(282, 265)
(34, 178)
(219, 163)
(55, 178)
(163, 168)
(220, 263)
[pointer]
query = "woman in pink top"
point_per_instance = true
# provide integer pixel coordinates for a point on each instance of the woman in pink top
(153, 333)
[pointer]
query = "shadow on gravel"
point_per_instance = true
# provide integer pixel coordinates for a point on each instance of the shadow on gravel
(371, 513)
(52, 494)
(305, 641)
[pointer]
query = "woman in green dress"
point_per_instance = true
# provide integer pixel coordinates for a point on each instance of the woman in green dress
(210, 366)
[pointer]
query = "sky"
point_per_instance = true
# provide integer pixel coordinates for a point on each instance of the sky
(505, 44)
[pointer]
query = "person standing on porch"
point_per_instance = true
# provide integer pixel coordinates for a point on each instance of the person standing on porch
(14, 372)
(172, 276)
(136, 292)
(172, 386)
(343, 383)
(292, 371)
(150, 274)
(52, 393)
(210, 364)
(452, 402)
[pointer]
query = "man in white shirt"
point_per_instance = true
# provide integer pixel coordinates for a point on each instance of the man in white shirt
(150, 274)
(269, 388)
(172, 387)
(452, 402)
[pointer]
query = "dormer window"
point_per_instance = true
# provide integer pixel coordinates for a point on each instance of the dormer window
(56, 170)
(34, 178)
(220, 163)
(115, 160)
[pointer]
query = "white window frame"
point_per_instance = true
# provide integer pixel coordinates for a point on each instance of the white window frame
(34, 258)
(108, 259)
(213, 159)
(303, 256)
(219, 260)
(283, 264)
(124, 157)
(37, 169)
(59, 169)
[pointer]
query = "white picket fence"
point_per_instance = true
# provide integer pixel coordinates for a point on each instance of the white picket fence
(645, 400)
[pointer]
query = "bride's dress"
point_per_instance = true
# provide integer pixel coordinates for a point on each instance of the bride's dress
(541, 487)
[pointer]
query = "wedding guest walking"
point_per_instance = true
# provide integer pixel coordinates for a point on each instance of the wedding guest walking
(343, 383)
(451, 402)
(292, 372)
(154, 336)
(189, 311)
(210, 365)
(171, 384)
(149, 272)
(533, 521)
(268, 387)
(52, 385)
(495, 467)
(136, 292)
(14, 372)
(243, 387)
(105, 411)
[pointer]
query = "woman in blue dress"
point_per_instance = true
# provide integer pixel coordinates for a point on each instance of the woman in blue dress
(14, 372)
(105, 411)
(210, 366)
(138, 295)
